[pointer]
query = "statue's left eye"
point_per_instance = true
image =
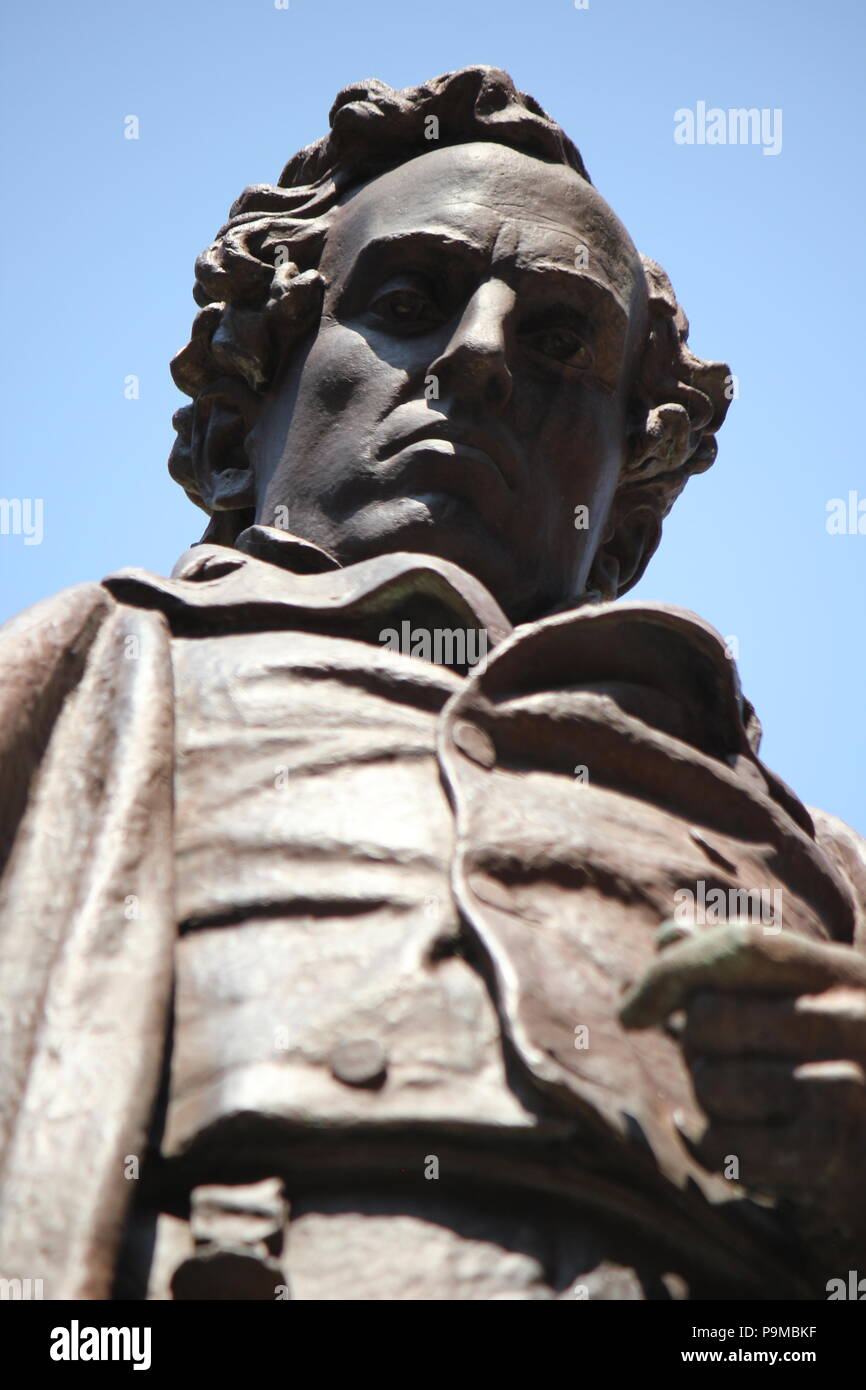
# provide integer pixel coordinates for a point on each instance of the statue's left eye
(563, 344)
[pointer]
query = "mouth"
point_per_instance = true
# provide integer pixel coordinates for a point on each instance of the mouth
(441, 441)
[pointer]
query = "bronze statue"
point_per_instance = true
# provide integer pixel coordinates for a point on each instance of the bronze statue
(342, 945)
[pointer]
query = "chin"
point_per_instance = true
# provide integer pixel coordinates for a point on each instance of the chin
(433, 524)
(440, 524)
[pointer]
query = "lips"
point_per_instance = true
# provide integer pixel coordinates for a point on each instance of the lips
(476, 445)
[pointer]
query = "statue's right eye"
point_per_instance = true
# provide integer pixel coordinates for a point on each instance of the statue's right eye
(408, 307)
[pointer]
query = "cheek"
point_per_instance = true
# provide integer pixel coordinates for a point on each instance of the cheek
(341, 369)
(575, 459)
(579, 438)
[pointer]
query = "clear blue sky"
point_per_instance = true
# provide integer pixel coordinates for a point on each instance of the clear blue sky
(765, 252)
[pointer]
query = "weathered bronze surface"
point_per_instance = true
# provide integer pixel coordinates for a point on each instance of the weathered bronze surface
(344, 952)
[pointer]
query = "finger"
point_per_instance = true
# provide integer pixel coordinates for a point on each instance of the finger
(738, 957)
(809, 1027)
(777, 1159)
(746, 1092)
(817, 1151)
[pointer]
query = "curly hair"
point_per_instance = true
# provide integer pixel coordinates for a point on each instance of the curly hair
(259, 290)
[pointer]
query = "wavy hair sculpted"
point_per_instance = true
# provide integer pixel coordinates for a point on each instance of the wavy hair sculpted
(260, 293)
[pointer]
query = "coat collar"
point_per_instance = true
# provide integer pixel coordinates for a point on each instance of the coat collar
(276, 579)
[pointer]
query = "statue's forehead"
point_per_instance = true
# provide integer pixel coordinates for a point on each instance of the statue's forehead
(501, 200)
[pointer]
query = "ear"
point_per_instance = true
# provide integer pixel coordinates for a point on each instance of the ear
(223, 417)
(627, 548)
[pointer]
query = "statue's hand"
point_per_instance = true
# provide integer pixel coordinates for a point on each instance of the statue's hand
(773, 1028)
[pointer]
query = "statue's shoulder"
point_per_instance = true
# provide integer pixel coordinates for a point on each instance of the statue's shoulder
(49, 642)
(43, 649)
(67, 653)
(60, 617)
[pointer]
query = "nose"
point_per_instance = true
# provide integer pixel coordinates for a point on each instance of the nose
(474, 365)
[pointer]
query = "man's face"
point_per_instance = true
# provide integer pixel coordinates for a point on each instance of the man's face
(467, 387)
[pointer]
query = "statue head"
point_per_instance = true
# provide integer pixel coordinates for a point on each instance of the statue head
(433, 334)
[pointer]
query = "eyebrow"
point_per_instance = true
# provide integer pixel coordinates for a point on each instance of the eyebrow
(434, 237)
(418, 240)
(580, 280)
(431, 241)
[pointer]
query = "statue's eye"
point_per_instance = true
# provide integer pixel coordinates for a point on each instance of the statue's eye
(563, 344)
(406, 306)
